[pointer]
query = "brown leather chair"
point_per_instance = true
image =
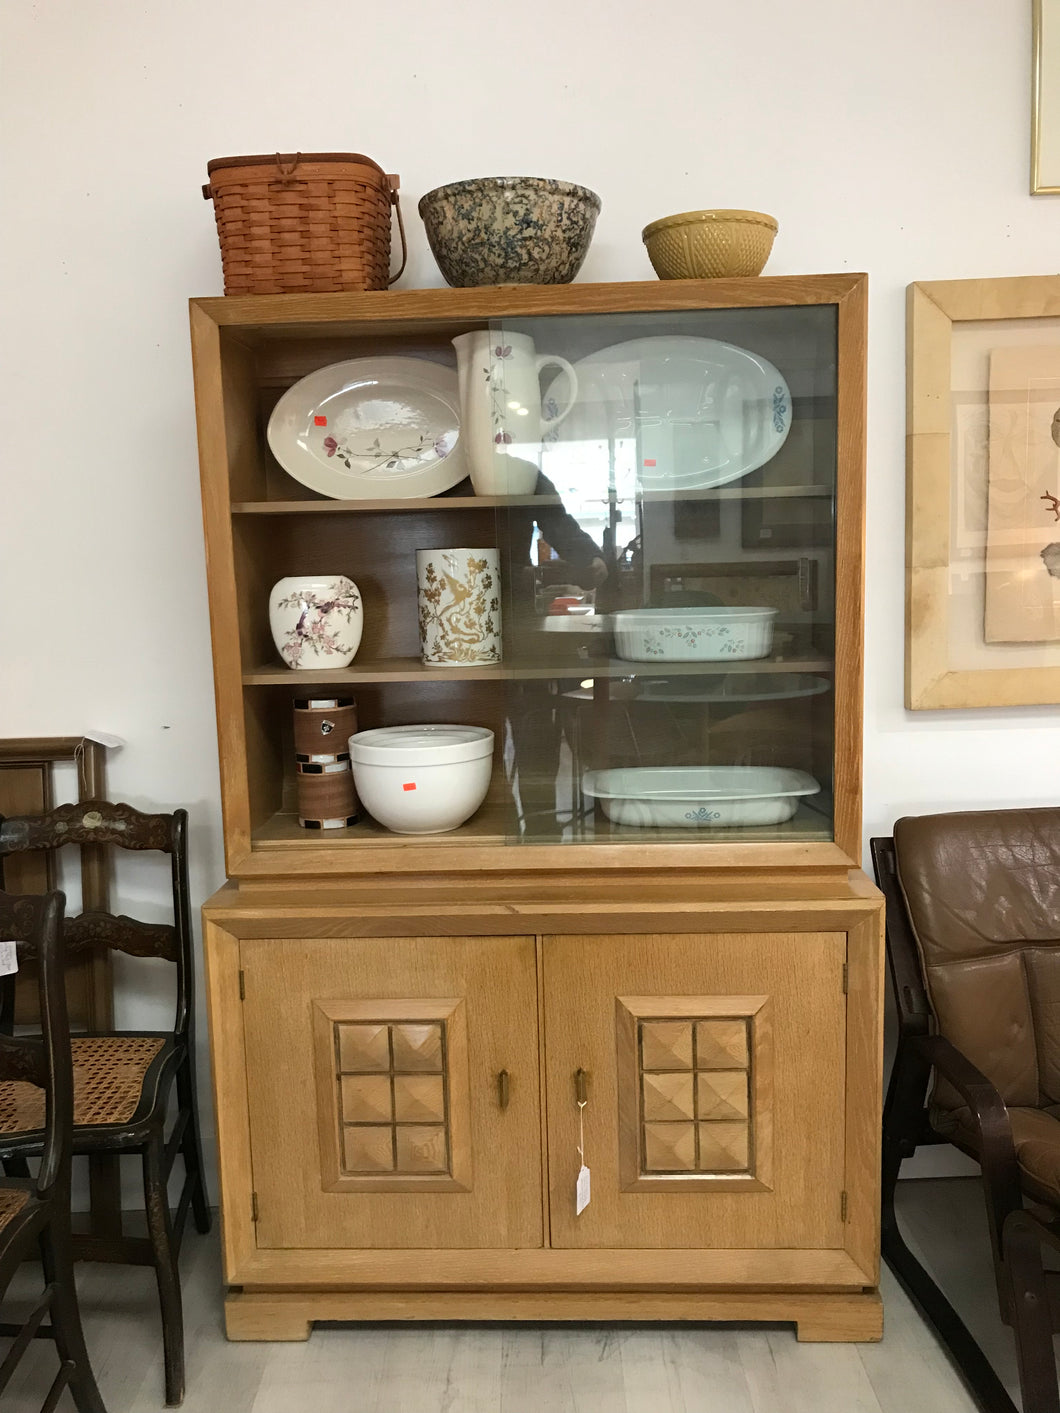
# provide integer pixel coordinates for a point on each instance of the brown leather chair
(973, 945)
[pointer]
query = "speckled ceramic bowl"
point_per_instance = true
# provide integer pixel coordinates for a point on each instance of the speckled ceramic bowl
(510, 230)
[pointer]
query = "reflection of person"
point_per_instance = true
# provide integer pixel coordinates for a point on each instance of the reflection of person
(535, 763)
(579, 552)
(560, 529)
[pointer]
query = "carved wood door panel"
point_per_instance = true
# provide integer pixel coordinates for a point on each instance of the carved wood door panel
(379, 1113)
(714, 1079)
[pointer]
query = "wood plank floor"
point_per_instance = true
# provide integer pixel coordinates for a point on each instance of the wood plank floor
(536, 1369)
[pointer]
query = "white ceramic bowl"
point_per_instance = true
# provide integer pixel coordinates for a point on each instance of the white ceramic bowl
(700, 796)
(422, 779)
(693, 634)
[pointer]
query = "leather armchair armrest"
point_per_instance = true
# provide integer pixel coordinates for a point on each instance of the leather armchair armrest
(997, 1153)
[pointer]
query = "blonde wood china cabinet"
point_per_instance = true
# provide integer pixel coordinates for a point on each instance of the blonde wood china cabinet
(419, 1042)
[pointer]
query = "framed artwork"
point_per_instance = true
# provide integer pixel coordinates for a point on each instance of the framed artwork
(1045, 107)
(983, 493)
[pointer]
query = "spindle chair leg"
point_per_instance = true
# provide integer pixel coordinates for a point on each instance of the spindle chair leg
(57, 1260)
(191, 1147)
(160, 1232)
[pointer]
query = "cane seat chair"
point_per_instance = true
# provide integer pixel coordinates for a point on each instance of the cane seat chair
(973, 945)
(124, 1081)
(36, 1214)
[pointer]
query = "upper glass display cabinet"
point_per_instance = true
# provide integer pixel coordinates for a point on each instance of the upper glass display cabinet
(615, 530)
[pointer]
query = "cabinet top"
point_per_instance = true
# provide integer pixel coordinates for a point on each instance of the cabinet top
(271, 312)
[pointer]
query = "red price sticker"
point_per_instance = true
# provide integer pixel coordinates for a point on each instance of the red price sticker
(320, 421)
(649, 463)
(409, 785)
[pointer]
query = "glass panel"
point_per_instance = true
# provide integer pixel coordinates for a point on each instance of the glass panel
(665, 489)
(1004, 566)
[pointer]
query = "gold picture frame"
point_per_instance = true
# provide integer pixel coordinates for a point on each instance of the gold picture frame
(958, 330)
(1045, 105)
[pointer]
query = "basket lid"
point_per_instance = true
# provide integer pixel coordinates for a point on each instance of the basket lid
(272, 159)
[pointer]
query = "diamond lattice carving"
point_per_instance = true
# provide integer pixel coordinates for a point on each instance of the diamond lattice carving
(417, 1047)
(668, 1096)
(721, 1045)
(393, 1097)
(722, 1147)
(670, 1148)
(694, 1084)
(722, 1094)
(364, 1047)
(665, 1045)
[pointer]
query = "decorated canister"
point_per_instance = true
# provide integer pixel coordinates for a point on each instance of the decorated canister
(459, 603)
(326, 796)
(322, 728)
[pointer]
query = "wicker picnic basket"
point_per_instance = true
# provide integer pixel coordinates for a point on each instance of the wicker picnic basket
(314, 221)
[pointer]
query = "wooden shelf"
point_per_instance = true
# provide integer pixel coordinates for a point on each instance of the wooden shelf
(409, 503)
(422, 503)
(284, 831)
(496, 824)
(411, 669)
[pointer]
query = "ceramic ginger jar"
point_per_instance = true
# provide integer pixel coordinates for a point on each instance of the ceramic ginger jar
(316, 620)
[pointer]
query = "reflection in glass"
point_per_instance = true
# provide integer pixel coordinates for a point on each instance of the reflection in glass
(693, 477)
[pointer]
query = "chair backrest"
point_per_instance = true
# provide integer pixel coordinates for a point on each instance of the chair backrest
(33, 921)
(982, 893)
(101, 822)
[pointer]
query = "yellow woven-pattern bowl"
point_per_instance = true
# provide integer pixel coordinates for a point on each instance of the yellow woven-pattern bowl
(706, 245)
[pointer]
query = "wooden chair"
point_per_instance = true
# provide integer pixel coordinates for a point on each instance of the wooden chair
(973, 946)
(37, 1212)
(123, 1080)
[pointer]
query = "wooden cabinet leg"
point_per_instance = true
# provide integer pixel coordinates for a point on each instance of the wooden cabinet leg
(843, 1319)
(266, 1317)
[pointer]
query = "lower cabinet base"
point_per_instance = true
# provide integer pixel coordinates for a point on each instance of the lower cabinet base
(818, 1317)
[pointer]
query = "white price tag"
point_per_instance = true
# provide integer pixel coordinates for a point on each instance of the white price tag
(106, 738)
(581, 1194)
(8, 958)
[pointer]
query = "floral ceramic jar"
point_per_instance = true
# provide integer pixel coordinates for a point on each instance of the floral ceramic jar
(316, 621)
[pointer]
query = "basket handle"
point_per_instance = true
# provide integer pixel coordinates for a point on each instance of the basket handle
(287, 166)
(395, 201)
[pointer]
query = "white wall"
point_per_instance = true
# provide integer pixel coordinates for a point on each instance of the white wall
(891, 139)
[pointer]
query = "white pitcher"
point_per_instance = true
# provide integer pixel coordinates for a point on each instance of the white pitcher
(501, 423)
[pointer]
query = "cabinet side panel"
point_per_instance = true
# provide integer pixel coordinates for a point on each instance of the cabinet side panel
(226, 439)
(228, 1061)
(865, 954)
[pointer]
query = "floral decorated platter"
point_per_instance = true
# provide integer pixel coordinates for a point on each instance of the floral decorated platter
(675, 413)
(371, 428)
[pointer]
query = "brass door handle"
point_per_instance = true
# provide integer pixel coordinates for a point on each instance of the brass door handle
(504, 1088)
(581, 1086)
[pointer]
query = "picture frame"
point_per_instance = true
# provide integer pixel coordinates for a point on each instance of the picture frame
(983, 467)
(1045, 99)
